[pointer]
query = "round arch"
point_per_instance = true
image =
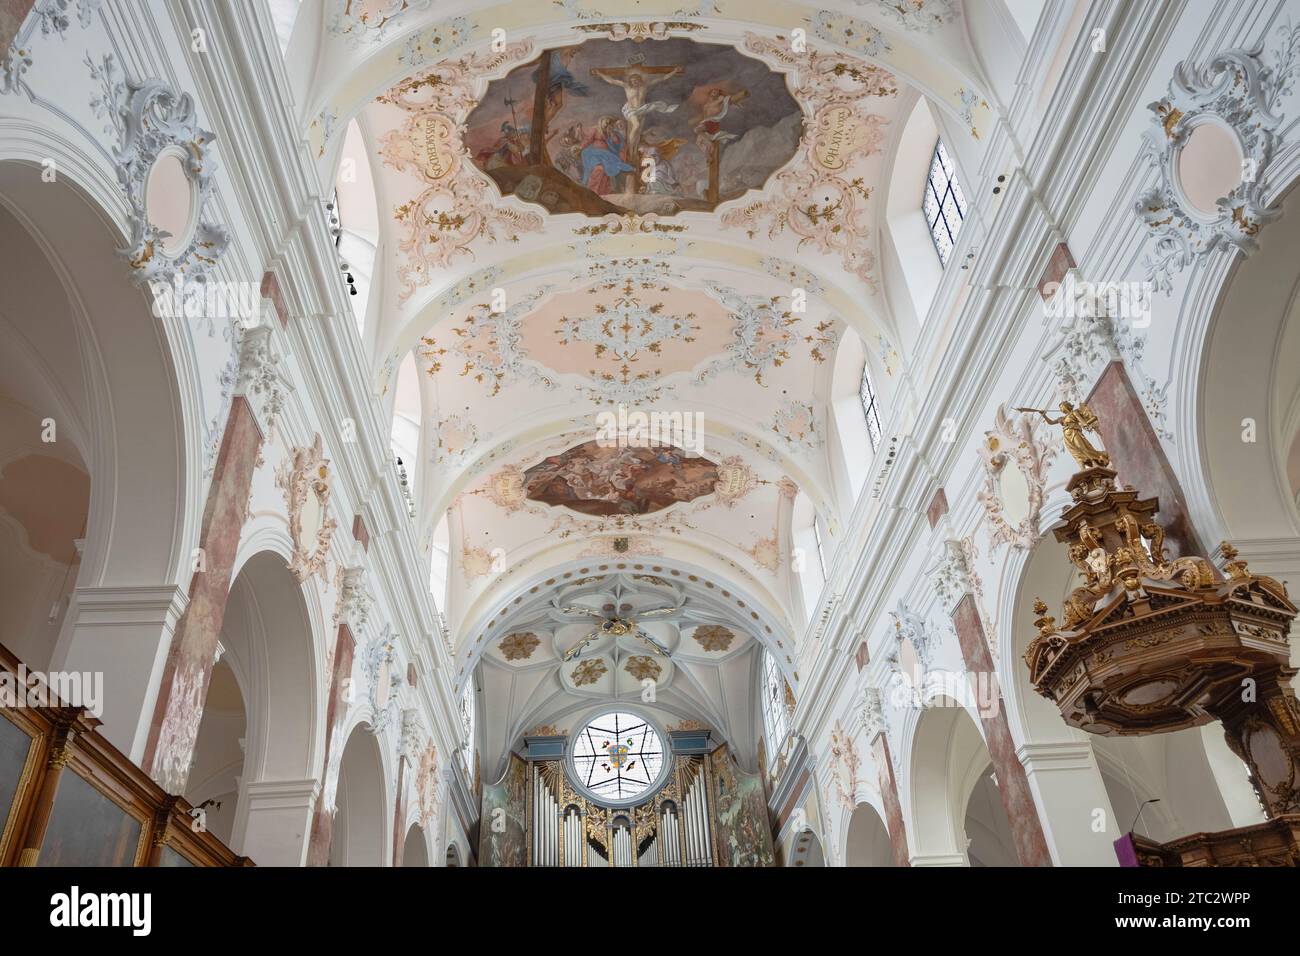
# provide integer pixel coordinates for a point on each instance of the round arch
(81, 350)
(269, 631)
(1247, 400)
(270, 643)
(359, 820)
(495, 617)
(415, 851)
(956, 815)
(115, 367)
(806, 850)
(867, 840)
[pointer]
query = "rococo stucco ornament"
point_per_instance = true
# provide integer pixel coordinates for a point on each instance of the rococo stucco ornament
(354, 598)
(1015, 441)
(452, 209)
(1090, 340)
(305, 478)
(910, 626)
(955, 577)
(261, 376)
(925, 16)
(844, 764)
(153, 122)
(1237, 91)
(378, 666)
(873, 713)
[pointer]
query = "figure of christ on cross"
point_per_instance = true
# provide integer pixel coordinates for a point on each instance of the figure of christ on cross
(636, 80)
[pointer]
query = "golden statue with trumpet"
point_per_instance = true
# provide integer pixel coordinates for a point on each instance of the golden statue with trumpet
(1074, 422)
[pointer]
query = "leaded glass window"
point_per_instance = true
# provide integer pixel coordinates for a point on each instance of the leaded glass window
(821, 547)
(870, 407)
(944, 202)
(776, 715)
(618, 757)
(467, 715)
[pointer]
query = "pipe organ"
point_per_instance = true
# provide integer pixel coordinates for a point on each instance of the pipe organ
(708, 812)
(672, 828)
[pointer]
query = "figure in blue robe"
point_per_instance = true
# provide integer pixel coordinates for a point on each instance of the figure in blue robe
(603, 151)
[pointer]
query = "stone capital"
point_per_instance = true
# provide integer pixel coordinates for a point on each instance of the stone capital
(261, 378)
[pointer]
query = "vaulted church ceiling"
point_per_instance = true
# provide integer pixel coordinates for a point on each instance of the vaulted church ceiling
(590, 208)
(646, 633)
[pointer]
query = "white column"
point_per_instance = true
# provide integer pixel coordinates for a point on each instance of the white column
(274, 820)
(1073, 805)
(124, 634)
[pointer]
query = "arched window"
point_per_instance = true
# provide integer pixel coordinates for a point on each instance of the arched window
(355, 221)
(776, 711)
(467, 716)
(944, 202)
(821, 546)
(870, 407)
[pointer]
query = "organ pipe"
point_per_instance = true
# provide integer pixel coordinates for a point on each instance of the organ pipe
(674, 826)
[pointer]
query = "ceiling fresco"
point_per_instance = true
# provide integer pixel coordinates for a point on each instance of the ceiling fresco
(598, 478)
(606, 127)
(586, 205)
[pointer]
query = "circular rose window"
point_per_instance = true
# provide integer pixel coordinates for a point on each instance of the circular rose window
(617, 758)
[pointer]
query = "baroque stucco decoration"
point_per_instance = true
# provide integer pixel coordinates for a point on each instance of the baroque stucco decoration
(713, 637)
(922, 15)
(955, 577)
(1239, 92)
(588, 672)
(1087, 343)
(261, 376)
(643, 668)
(873, 713)
(382, 677)
(1014, 441)
(305, 478)
(354, 598)
(53, 18)
(823, 202)
(367, 21)
(152, 121)
(844, 766)
(451, 209)
(913, 628)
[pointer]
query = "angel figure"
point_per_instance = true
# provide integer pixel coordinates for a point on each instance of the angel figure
(717, 104)
(1074, 422)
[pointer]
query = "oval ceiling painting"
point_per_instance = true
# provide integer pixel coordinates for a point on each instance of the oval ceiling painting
(600, 478)
(658, 127)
